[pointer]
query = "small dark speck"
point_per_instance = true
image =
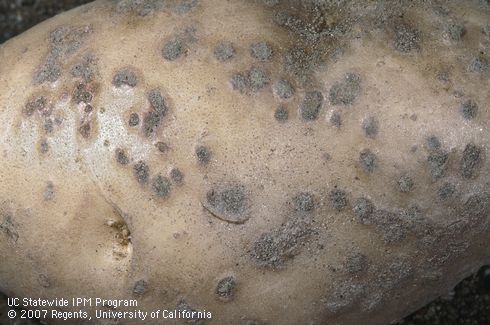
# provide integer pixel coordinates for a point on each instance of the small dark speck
(370, 126)
(176, 175)
(161, 186)
(125, 77)
(134, 119)
(281, 114)
(122, 157)
(172, 50)
(203, 155)
(469, 109)
(336, 119)
(162, 146)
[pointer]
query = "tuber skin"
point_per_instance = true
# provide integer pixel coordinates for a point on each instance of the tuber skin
(271, 162)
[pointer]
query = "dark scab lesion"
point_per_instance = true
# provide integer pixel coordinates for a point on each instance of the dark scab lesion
(258, 79)
(336, 119)
(140, 287)
(471, 160)
(225, 289)
(356, 263)
(228, 203)
(304, 201)
(121, 157)
(281, 114)
(469, 109)
(261, 51)
(224, 52)
(478, 64)
(85, 69)
(311, 105)
(407, 38)
(456, 32)
(158, 102)
(161, 186)
(151, 122)
(405, 184)
(134, 119)
(433, 143)
(203, 155)
(363, 209)
(82, 94)
(284, 89)
(85, 129)
(44, 146)
(162, 147)
(37, 104)
(125, 77)
(141, 172)
(345, 91)
(49, 191)
(370, 125)
(438, 162)
(8, 227)
(177, 176)
(338, 199)
(446, 191)
(173, 49)
(368, 160)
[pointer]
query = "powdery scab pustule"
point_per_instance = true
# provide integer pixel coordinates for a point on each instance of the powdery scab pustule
(239, 82)
(121, 157)
(304, 202)
(281, 114)
(49, 192)
(446, 191)
(370, 125)
(161, 186)
(203, 155)
(158, 102)
(478, 65)
(228, 203)
(261, 51)
(433, 143)
(141, 172)
(258, 79)
(389, 225)
(185, 6)
(356, 263)
(224, 52)
(36, 104)
(44, 146)
(162, 147)
(470, 160)
(311, 105)
(363, 209)
(85, 69)
(140, 288)
(177, 176)
(456, 32)
(407, 38)
(151, 122)
(437, 163)
(338, 199)
(469, 109)
(172, 50)
(134, 119)
(138, 7)
(225, 289)
(336, 119)
(405, 184)
(284, 89)
(368, 160)
(82, 93)
(85, 129)
(345, 91)
(125, 77)
(344, 295)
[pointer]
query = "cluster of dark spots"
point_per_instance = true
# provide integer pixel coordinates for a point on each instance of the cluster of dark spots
(370, 125)
(407, 38)
(86, 69)
(281, 114)
(415, 220)
(284, 89)
(363, 208)
(151, 122)
(394, 273)
(261, 51)
(8, 227)
(389, 224)
(338, 199)
(134, 119)
(456, 32)
(239, 82)
(405, 184)
(173, 49)
(85, 129)
(162, 147)
(158, 102)
(161, 186)
(336, 119)
(356, 263)
(63, 42)
(225, 289)
(345, 294)
(477, 206)
(141, 172)
(48, 126)
(258, 79)
(125, 77)
(345, 91)
(140, 287)
(433, 143)
(139, 7)
(36, 104)
(224, 52)
(272, 249)
(471, 160)
(185, 6)
(49, 193)
(469, 109)
(438, 162)
(300, 63)
(121, 156)
(304, 201)
(368, 160)
(446, 191)
(228, 203)
(310, 105)
(44, 146)
(177, 176)
(478, 65)
(203, 155)
(82, 93)
(88, 108)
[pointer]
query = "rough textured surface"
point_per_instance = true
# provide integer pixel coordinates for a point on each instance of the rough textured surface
(399, 143)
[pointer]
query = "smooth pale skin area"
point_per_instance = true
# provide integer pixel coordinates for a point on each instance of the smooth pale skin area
(62, 244)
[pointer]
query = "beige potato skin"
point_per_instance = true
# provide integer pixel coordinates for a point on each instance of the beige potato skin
(76, 223)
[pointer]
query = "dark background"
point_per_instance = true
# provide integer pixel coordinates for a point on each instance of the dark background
(467, 304)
